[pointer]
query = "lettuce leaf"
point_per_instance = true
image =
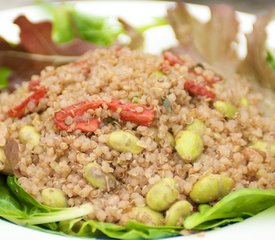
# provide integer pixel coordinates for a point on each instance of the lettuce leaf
(270, 58)
(9, 206)
(19, 207)
(212, 41)
(24, 197)
(36, 50)
(36, 38)
(255, 66)
(98, 30)
(136, 37)
(215, 42)
(133, 230)
(68, 23)
(4, 75)
(234, 207)
(62, 27)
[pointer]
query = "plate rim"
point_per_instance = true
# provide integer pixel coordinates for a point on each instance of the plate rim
(56, 235)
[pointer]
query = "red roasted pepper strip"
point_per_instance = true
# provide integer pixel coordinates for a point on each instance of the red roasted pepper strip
(34, 85)
(20, 110)
(76, 112)
(198, 89)
(132, 112)
(86, 126)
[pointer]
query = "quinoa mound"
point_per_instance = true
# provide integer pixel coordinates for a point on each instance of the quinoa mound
(59, 159)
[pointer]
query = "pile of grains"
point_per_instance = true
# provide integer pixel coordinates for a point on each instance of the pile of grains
(59, 158)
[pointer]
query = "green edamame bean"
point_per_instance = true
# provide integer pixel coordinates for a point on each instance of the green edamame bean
(226, 108)
(162, 195)
(54, 197)
(197, 126)
(260, 145)
(177, 213)
(135, 99)
(29, 135)
(168, 137)
(189, 145)
(147, 216)
(265, 147)
(204, 207)
(97, 178)
(123, 141)
(244, 102)
(211, 187)
(159, 73)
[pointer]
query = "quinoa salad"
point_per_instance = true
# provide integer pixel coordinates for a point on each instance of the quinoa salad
(140, 137)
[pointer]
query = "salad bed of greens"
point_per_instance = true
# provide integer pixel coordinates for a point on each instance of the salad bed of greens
(19, 207)
(62, 40)
(72, 33)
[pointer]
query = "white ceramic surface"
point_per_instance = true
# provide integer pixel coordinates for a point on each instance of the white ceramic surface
(138, 13)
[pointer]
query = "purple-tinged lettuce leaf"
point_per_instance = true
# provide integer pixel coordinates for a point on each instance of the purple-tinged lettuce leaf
(36, 50)
(136, 36)
(37, 38)
(255, 66)
(212, 41)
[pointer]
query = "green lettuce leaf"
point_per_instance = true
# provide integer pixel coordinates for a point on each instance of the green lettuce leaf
(270, 58)
(99, 30)
(19, 207)
(4, 75)
(68, 24)
(62, 31)
(157, 22)
(217, 223)
(24, 197)
(234, 207)
(9, 206)
(133, 230)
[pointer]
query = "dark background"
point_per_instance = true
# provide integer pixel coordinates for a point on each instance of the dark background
(250, 6)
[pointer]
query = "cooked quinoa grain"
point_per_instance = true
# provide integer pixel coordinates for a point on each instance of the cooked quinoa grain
(124, 91)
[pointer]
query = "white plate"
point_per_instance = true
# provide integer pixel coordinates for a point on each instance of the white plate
(137, 13)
